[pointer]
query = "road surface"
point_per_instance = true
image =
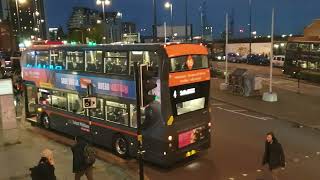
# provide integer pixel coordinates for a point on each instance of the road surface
(237, 148)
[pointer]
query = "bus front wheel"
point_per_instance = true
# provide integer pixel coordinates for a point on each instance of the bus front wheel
(120, 146)
(45, 121)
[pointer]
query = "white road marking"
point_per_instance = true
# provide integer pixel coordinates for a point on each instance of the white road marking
(267, 118)
(243, 114)
(306, 156)
(217, 104)
(318, 153)
(258, 170)
(244, 175)
(231, 178)
(240, 110)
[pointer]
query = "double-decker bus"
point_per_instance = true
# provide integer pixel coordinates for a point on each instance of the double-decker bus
(176, 124)
(303, 58)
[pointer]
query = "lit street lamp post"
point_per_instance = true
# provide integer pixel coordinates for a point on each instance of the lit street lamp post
(103, 3)
(250, 26)
(169, 5)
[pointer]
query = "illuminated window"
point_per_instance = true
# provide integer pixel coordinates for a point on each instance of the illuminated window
(75, 104)
(117, 112)
(190, 106)
(94, 61)
(75, 60)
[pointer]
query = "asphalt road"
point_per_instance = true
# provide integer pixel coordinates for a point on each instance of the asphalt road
(237, 148)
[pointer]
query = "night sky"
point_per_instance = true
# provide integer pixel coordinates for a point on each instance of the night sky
(291, 15)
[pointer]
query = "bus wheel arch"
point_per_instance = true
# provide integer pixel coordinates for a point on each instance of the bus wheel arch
(120, 145)
(45, 121)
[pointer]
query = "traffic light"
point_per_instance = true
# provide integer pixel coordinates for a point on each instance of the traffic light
(147, 84)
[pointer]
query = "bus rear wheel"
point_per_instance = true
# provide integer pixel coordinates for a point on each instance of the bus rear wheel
(45, 121)
(120, 146)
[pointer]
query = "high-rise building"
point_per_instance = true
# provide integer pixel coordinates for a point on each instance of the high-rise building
(4, 15)
(28, 19)
(128, 27)
(84, 20)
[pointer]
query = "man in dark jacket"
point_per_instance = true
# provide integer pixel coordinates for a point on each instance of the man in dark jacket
(80, 167)
(273, 155)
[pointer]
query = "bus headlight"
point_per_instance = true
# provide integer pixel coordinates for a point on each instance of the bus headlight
(170, 138)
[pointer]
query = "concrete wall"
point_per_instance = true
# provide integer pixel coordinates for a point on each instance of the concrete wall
(243, 48)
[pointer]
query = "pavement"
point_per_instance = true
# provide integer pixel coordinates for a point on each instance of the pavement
(299, 105)
(17, 158)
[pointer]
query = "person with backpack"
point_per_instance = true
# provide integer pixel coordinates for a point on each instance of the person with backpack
(45, 168)
(83, 159)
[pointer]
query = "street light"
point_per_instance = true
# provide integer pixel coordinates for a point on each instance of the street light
(169, 5)
(103, 3)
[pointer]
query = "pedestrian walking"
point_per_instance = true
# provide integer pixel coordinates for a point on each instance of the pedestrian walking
(273, 155)
(45, 168)
(83, 159)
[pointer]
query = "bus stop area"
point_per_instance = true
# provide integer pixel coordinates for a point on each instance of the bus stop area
(17, 158)
(300, 108)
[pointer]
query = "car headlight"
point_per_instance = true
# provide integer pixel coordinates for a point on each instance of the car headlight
(170, 138)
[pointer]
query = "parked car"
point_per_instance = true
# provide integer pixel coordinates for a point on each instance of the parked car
(252, 59)
(219, 56)
(234, 57)
(278, 61)
(257, 59)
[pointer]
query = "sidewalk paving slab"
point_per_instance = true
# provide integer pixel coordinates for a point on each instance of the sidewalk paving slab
(16, 159)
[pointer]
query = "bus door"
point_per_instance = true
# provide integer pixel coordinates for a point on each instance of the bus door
(31, 99)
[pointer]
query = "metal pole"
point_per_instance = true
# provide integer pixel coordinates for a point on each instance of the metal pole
(271, 52)
(165, 32)
(226, 53)
(104, 22)
(171, 8)
(186, 20)
(138, 95)
(250, 26)
(154, 20)
(18, 18)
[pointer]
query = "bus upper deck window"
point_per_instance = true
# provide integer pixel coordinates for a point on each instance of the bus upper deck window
(94, 61)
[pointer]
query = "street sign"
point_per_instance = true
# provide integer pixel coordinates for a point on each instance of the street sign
(89, 102)
(6, 87)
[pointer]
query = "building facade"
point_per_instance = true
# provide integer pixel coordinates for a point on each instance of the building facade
(128, 28)
(28, 19)
(91, 26)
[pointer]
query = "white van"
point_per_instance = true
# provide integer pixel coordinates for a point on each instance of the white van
(278, 61)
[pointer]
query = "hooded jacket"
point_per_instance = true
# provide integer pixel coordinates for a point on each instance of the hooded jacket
(79, 163)
(273, 155)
